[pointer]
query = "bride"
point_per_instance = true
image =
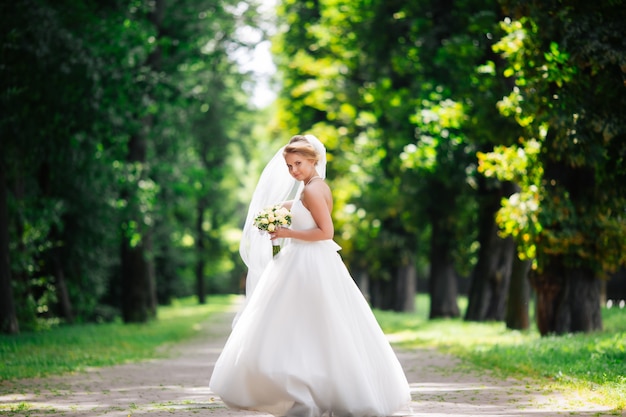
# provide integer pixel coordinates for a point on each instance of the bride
(306, 342)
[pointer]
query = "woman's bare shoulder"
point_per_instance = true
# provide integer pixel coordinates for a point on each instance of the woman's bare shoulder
(317, 191)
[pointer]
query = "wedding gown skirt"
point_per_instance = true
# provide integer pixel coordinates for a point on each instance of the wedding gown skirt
(307, 342)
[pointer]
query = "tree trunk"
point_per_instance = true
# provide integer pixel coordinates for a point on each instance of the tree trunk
(153, 299)
(406, 287)
(568, 299)
(519, 296)
(63, 297)
(603, 298)
(166, 276)
(200, 255)
(136, 304)
(381, 294)
(442, 283)
(8, 318)
(136, 286)
(488, 239)
(362, 279)
(53, 264)
(20, 277)
(134, 265)
(489, 281)
(616, 286)
(499, 282)
(394, 285)
(397, 292)
(139, 298)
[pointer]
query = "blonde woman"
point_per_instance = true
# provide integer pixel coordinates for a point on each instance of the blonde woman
(306, 342)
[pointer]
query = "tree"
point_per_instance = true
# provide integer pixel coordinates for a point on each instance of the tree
(104, 139)
(405, 94)
(8, 318)
(45, 126)
(516, 316)
(490, 279)
(567, 97)
(433, 72)
(139, 299)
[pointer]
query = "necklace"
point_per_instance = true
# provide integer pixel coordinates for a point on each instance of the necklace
(311, 179)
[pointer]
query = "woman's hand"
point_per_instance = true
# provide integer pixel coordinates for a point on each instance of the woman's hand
(280, 233)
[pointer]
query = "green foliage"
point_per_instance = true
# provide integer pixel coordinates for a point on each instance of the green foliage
(403, 94)
(572, 198)
(112, 76)
(74, 348)
(59, 197)
(519, 214)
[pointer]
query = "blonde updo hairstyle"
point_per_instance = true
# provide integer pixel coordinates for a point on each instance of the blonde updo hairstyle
(299, 145)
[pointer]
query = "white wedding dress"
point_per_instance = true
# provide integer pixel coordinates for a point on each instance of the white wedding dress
(307, 342)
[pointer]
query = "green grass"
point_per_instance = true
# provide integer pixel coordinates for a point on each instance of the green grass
(592, 364)
(73, 348)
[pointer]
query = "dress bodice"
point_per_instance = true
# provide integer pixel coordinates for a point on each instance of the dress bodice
(301, 218)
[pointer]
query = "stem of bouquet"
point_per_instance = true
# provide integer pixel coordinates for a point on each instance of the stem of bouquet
(275, 247)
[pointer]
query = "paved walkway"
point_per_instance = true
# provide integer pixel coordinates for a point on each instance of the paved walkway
(441, 386)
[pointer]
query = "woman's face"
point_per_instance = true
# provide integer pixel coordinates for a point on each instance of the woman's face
(300, 167)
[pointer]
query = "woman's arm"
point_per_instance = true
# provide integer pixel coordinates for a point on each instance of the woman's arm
(317, 199)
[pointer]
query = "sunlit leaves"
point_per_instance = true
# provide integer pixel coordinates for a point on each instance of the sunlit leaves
(558, 68)
(519, 214)
(409, 97)
(511, 163)
(436, 121)
(423, 156)
(511, 105)
(512, 42)
(560, 100)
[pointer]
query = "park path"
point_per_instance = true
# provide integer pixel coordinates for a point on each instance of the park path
(441, 385)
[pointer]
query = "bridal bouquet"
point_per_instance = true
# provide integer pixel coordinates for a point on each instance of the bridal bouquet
(269, 219)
